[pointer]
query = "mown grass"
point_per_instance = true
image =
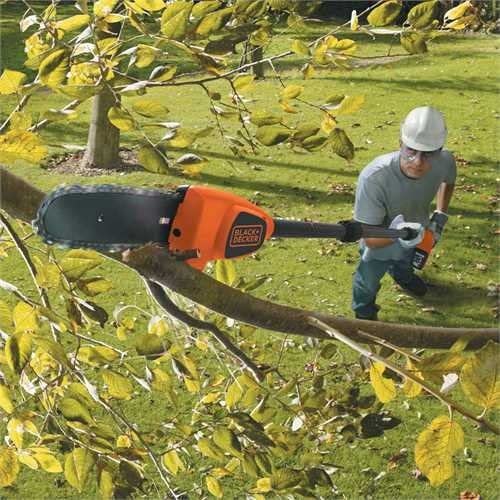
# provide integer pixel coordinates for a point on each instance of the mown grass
(459, 76)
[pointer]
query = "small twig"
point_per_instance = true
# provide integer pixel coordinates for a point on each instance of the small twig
(386, 343)
(164, 301)
(401, 371)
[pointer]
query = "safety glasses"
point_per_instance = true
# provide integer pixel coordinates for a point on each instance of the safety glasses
(410, 155)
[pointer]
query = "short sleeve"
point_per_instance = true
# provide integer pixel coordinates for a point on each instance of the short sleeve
(369, 206)
(451, 168)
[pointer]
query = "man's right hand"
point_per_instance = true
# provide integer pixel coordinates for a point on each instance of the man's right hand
(437, 223)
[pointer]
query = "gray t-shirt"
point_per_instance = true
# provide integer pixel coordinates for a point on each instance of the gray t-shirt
(383, 192)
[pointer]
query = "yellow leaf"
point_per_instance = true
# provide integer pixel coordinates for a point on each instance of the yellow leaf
(462, 23)
(192, 385)
(175, 18)
(26, 459)
(173, 462)
(18, 351)
(77, 467)
(225, 271)
(123, 441)
(263, 485)
(211, 397)
(11, 81)
(54, 68)
(458, 11)
(192, 170)
(6, 400)
(9, 467)
(48, 462)
(121, 119)
(5, 316)
(328, 123)
(76, 263)
(243, 82)
(300, 48)
(385, 13)
(21, 145)
(349, 104)
(119, 387)
(150, 5)
(233, 394)
(214, 486)
(25, 318)
(73, 23)
(102, 8)
(291, 91)
(411, 388)
(15, 429)
(435, 448)
(480, 377)
(385, 389)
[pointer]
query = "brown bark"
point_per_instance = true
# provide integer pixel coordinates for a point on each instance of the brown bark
(103, 141)
(20, 199)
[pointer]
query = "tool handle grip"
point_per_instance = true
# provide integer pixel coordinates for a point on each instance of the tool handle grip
(343, 231)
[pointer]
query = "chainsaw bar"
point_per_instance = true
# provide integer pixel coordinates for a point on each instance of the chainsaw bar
(106, 217)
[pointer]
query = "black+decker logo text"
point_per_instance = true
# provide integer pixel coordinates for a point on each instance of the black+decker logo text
(246, 235)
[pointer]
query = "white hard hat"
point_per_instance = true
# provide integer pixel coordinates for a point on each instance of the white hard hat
(424, 129)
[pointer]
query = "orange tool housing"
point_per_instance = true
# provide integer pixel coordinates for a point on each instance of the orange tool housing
(218, 225)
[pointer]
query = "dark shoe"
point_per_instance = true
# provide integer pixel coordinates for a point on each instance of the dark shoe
(415, 286)
(373, 317)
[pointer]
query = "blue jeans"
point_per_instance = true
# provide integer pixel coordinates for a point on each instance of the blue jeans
(366, 282)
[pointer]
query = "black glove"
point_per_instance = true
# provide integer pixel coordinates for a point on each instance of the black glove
(437, 223)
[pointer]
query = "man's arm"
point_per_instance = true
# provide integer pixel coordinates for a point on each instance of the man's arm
(443, 197)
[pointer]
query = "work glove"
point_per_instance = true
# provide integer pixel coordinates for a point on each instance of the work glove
(437, 223)
(399, 223)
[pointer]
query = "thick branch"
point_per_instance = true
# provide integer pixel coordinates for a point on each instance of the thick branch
(21, 200)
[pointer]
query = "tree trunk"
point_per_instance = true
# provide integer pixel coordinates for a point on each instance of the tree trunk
(257, 55)
(103, 141)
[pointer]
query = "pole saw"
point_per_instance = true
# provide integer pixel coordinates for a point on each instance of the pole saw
(198, 222)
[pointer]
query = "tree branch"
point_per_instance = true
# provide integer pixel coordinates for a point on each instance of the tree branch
(164, 301)
(21, 200)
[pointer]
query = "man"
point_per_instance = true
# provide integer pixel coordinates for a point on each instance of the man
(396, 186)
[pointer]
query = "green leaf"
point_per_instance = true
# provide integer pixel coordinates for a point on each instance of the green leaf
(54, 68)
(106, 483)
(151, 345)
(173, 462)
(261, 117)
(214, 487)
(225, 271)
(314, 143)
(283, 479)
(480, 377)
(18, 351)
(25, 318)
(73, 23)
(413, 43)
(77, 262)
(291, 92)
(5, 316)
(300, 48)
(9, 467)
(213, 22)
(149, 108)
(225, 439)
(119, 387)
(341, 144)
(152, 160)
(175, 18)
(121, 119)
(74, 410)
(6, 399)
(435, 448)
(77, 467)
(422, 14)
(48, 276)
(385, 14)
(11, 81)
(385, 389)
(270, 135)
(22, 145)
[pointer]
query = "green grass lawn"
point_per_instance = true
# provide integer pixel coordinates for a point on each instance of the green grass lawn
(460, 77)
